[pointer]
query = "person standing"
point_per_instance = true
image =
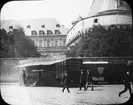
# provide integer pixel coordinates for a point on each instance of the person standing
(89, 80)
(24, 77)
(65, 83)
(82, 81)
(127, 85)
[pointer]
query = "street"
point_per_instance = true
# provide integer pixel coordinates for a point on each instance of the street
(102, 94)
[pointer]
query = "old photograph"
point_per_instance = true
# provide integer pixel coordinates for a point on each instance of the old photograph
(66, 52)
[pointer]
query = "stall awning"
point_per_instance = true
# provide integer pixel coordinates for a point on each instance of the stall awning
(40, 63)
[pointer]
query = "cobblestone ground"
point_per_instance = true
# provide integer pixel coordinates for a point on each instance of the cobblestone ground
(102, 94)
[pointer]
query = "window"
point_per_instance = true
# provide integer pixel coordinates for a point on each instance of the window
(10, 27)
(56, 42)
(40, 43)
(33, 41)
(41, 32)
(48, 42)
(60, 42)
(33, 32)
(28, 26)
(44, 42)
(95, 20)
(58, 25)
(64, 42)
(122, 3)
(57, 32)
(49, 32)
(36, 42)
(52, 42)
(43, 26)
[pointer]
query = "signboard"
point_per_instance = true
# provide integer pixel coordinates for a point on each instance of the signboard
(98, 78)
(100, 70)
(100, 73)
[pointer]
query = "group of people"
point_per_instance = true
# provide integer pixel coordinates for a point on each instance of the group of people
(83, 83)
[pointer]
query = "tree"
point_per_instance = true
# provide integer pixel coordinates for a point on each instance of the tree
(4, 43)
(18, 44)
(98, 41)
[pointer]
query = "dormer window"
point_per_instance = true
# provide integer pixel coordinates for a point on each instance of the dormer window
(57, 25)
(57, 32)
(33, 32)
(43, 26)
(49, 32)
(10, 27)
(28, 26)
(95, 20)
(41, 32)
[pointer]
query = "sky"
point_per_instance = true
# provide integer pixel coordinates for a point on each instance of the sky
(65, 11)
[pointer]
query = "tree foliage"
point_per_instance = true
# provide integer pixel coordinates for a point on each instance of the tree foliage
(98, 41)
(4, 43)
(16, 44)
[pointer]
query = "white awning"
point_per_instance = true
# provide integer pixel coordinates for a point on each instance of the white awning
(36, 70)
(95, 62)
(40, 63)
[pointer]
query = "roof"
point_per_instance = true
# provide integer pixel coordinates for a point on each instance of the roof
(35, 24)
(39, 63)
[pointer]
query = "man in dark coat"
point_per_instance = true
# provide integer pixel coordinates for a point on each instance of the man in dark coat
(89, 80)
(65, 83)
(82, 81)
(127, 85)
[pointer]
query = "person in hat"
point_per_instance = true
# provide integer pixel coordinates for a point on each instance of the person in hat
(89, 80)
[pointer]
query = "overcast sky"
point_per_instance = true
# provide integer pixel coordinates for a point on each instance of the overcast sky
(65, 11)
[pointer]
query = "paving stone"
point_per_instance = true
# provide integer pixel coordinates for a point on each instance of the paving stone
(104, 94)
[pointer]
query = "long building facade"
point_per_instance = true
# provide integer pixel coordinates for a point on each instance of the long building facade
(48, 34)
(102, 12)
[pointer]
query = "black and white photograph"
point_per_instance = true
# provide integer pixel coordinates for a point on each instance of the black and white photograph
(66, 52)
